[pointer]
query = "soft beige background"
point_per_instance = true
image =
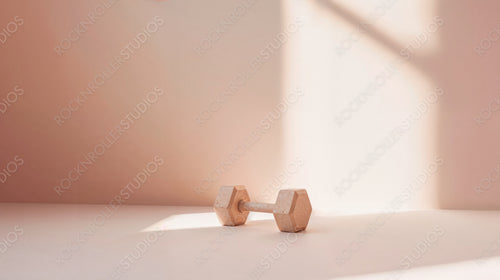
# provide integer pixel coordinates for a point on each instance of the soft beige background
(304, 147)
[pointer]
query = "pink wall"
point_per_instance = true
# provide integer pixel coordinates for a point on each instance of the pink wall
(187, 96)
(59, 152)
(398, 87)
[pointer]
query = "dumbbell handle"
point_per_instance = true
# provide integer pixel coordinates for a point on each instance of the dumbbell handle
(255, 206)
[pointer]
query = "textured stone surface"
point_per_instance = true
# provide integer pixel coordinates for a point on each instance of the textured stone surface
(226, 205)
(292, 210)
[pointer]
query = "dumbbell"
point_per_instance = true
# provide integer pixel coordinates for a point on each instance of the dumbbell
(291, 210)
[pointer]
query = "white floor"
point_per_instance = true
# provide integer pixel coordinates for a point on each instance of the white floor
(48, 241)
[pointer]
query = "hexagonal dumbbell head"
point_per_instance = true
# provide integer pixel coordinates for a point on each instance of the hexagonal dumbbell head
(226, 205)
(292, 210)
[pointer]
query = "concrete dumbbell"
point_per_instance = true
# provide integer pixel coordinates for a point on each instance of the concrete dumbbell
(291, 210)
